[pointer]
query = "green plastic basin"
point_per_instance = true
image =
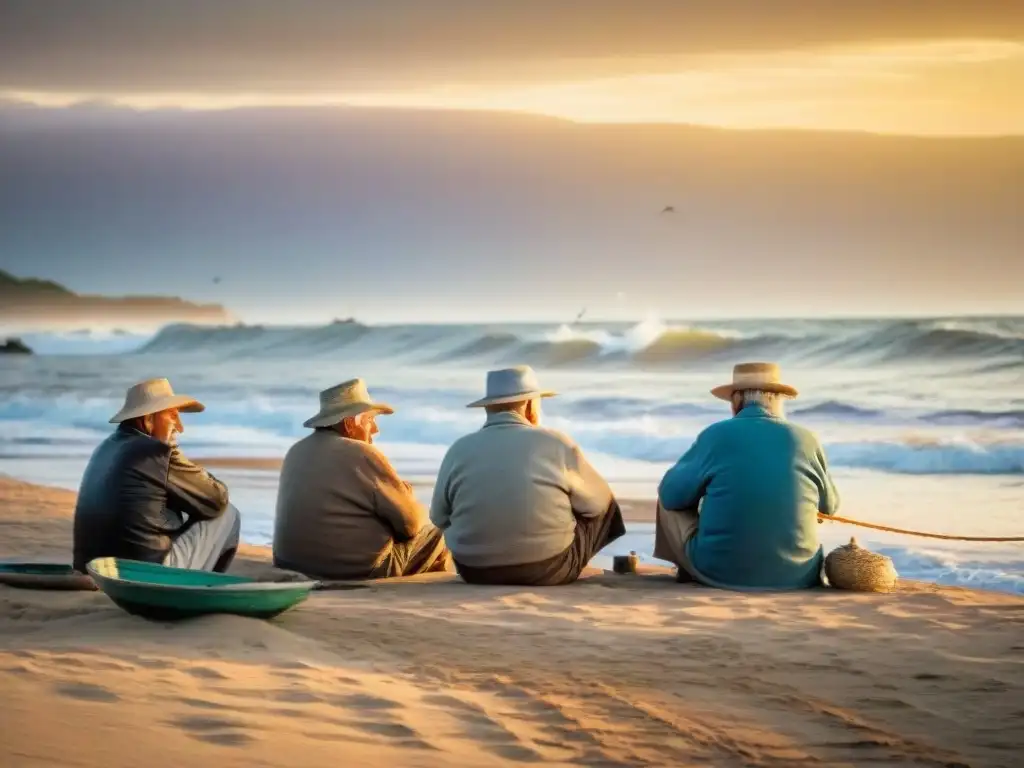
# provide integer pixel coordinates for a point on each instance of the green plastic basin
(159, 592)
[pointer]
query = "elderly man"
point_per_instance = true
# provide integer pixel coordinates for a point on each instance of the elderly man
(739, 509)
(520, 504)
(342, 510)
(141, 499)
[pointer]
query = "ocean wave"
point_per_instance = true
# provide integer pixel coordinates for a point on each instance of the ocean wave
(947, 340)
(626, 432)
(836, 408)
(932, 457)
(950, 569)
(1013, 419)
(650, 344)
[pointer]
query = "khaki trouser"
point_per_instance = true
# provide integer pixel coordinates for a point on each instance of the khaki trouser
(591, 536)
(672, 531)
(424, 553)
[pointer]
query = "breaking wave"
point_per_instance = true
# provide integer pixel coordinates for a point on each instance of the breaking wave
(649, 344)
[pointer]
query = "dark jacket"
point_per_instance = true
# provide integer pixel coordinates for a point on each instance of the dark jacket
(135, 497)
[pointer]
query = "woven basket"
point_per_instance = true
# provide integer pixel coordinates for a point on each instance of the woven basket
(860, 570)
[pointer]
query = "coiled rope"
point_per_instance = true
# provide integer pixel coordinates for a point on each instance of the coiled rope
(947, 537)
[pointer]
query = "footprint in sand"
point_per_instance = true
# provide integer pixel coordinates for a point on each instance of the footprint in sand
(225, 739)
(482, 728)
(205, 673)
(295, 696)
(153, 663)
(364, 701)
(515, 752)
(202, 704)
(391, 730)
(93, 664)
(293, 665)
(86, 692)
(213, 730)
(450, 702)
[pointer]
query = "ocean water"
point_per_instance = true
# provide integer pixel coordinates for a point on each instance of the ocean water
(922, 421)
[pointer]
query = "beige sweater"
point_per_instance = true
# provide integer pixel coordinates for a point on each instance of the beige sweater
(340, 507)
(509, 494)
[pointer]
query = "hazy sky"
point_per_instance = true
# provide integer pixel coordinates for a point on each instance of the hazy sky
(152, 146)
(913, 66)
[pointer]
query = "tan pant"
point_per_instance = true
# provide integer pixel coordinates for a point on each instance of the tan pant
(424, 553)
(672, 530)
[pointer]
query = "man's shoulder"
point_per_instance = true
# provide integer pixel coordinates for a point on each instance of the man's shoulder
(719, 429)
(327, 443)
(132, 444)
(464, 442)
(303, 446)
(473, 443)
(555, 437)
(804, 436)
(737, 426)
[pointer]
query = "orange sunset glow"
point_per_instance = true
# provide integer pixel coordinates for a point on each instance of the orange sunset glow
(937, 87)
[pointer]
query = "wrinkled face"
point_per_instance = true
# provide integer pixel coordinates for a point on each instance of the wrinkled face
(362, 427)
(164, 425)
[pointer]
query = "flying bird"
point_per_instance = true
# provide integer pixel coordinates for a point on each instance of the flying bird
(216, 281)
(669, 209)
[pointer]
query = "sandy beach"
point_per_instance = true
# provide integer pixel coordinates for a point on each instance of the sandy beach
(616, 670)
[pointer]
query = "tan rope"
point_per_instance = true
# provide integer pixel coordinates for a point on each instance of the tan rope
(835, 519)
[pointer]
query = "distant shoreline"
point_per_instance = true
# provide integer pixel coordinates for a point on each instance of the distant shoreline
(33, 305)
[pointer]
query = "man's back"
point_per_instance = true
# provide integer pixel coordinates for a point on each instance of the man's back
(763, 482)
(339, 508)
(121, 508)
(506, 493)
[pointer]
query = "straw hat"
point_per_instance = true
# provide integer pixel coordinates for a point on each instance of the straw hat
(349, 398)
(762, 376)
(511, 385)
(153, 396)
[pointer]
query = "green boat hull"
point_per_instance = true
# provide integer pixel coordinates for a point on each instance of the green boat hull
(162, 593)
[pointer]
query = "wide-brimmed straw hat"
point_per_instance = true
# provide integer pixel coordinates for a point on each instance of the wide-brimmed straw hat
(765, 377)
(350, 398)
(511, 385)
(153, 396)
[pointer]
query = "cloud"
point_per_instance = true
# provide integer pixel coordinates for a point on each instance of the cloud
(951, 87)
(318, 46)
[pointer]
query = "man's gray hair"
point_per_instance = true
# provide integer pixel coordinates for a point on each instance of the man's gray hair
(773, 402)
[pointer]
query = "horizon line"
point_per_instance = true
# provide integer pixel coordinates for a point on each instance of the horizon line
(23, 100)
